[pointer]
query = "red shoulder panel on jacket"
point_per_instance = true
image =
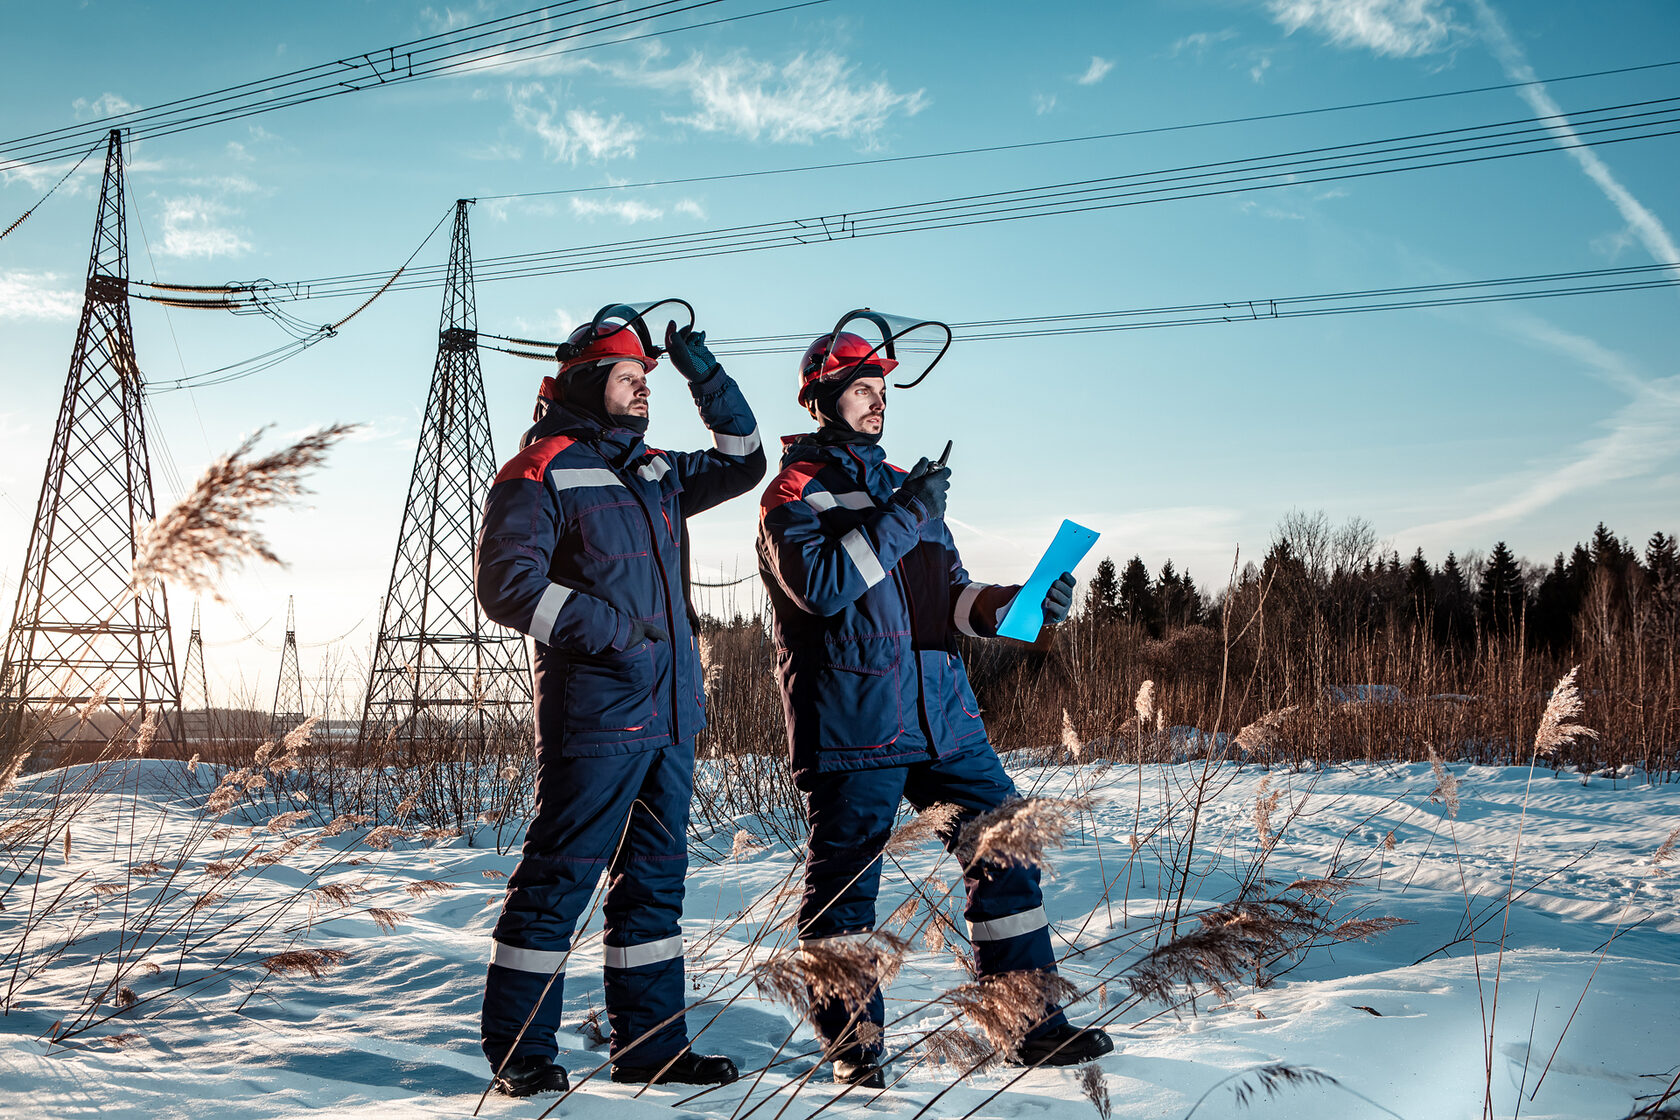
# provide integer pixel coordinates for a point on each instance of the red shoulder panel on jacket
(788, 486)
(533, 461)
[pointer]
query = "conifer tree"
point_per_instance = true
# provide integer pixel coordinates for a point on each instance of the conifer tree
(1102, 597)
(1501, 598)
(1137, 594)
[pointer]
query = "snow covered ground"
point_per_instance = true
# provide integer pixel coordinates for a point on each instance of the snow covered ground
(1399, 1022)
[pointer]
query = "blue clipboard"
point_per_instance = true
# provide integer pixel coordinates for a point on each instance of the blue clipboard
(1026, 614)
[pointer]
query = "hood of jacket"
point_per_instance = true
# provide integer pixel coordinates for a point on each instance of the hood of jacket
(617, 445)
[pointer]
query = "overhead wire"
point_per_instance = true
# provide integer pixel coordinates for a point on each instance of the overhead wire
(442, 54)
(1063, 140)
(1412, 152)
(24, 217)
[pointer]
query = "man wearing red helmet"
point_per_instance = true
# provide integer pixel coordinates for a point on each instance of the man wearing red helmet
(868, 593)
(583, 549)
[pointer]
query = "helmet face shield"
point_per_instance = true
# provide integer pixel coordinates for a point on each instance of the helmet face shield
(617, 317)
(906, 344)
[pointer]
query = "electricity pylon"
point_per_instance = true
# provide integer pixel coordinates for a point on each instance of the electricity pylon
(195, 683)
(441, 669)
(288, 689)
(77, 631)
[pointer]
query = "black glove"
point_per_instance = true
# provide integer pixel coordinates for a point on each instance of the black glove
(926, 486)
(687, 348)
(640, 631)
(1058, 601)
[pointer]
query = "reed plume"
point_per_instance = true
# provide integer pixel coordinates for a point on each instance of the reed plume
(312, 962)
(933, 822)
(1555, 731)
(1010, 1004)
(1016, 833)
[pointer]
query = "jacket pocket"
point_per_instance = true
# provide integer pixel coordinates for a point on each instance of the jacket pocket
(611, 691)
(614, 530)
(849, 696)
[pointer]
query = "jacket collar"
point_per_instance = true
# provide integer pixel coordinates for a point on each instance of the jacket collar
(865, 464)
(617, 445)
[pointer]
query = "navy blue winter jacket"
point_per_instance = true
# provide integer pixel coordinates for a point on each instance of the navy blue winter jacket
(583, 534)
(869, 595)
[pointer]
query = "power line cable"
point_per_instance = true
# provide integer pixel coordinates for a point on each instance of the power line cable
(433, 56)
(1029, 144)
(24, 217)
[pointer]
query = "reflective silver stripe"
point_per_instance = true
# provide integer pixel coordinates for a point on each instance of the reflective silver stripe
(837, 939)
(823, 500)
(965, 607)
(738, 445)
(554, 597)
(635, 956)
(655, 470)
(526, 960)
(1012, 925)
(583, 476)
(864, 558)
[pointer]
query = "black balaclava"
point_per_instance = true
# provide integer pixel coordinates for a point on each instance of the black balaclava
(825, 407)
(583, 389)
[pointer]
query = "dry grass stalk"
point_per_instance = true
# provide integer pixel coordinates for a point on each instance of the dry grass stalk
(220, 868)
(339, 894)
(150, 968)
(1070, 737)
(1363, 929)
(593, 1034)
(385, 919)
(1095, 1087)
(905, 912)
(125, 998)
(343, 823)
(1145, 704)
(1269, 1079)
(150, 867)
(1326, 888)
(1666, 852)
(1265, 802)
(206, 900)
(1446, 785)
(492, 873)
(382, 837)
(844, 970)
(1102, 994)
(746, 844)
(211, 530)
(1555, 730)
(425, 887)
(148, 732)
(1006, 1006)
(123, 1039)
(8, 776)
(292, 746)
(281, 853)
(312, 962)
(954, 1046)
(436, 835)
(1016, 833)
(1234, 941)
(933, 822)
(1265, 734)
(109, 888)
(1388, 841)
(407, 804)
(286, 820)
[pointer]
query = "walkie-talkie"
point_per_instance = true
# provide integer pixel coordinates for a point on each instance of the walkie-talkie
(946, 454)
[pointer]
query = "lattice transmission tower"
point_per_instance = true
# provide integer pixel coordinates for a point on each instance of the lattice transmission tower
(76, 630)
(288, 688)
(195, 687)
(441, 669)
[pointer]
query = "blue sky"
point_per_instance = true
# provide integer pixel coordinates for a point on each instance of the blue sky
(1447, 428)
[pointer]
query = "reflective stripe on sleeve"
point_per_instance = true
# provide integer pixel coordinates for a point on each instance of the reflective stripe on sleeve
(738, 445)
(655, 470)
(1012, 925)
(635, 956)
(548, 609)
(863, 558)
(573, 477)
(825, 500)
(544, 961)
(965, 607)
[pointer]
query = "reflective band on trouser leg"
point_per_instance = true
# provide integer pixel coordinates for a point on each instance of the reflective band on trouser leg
(737, 445)
(554, 597)
(965, 608)
(863, 558)
(637, 956)
(544, 961)
(1011, 925)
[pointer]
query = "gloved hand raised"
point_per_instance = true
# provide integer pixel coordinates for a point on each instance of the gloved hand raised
(924, 489)
(687, 348)
(1058, 600)
(640, 631)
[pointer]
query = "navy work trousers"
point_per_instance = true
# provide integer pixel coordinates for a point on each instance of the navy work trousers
(850, 813)
(626, 814)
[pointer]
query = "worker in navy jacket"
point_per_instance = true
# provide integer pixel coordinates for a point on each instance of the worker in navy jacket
(582, 549)
(868, 594)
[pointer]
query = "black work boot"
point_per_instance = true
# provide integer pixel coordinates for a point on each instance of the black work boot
(529, 1074)
(1066, 1045)
(866, 1072)
(687, 1068)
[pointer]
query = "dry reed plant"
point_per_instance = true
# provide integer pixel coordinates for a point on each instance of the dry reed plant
(1070, 738)
(954, 1046)
(1556, 731)
(1264, 736)
(1665, 852)
(1094, 1086)
(1269, 1080)
(426, 887)
(1265, 803)
(1446, 785)
(847, 971)
(746, 844)
(1016, 833)
(934, 822)
(385, 918)
(1009, 1005)
(313, 963)
(211, 531)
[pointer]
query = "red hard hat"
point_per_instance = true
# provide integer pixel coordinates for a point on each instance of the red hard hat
(832, 357)
(603, 342)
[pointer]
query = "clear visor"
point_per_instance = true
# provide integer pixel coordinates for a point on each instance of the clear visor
(616, 317)
(915, 343)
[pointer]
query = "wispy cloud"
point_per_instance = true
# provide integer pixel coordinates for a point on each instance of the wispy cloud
(194, 226)
(36, 295)
(631, 211)
(1096, 72)
(1044, 103)
(1646, 226)
(105, 105)
(811, 97)
(1199, 42)
(571, 134)
(1399, 28)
